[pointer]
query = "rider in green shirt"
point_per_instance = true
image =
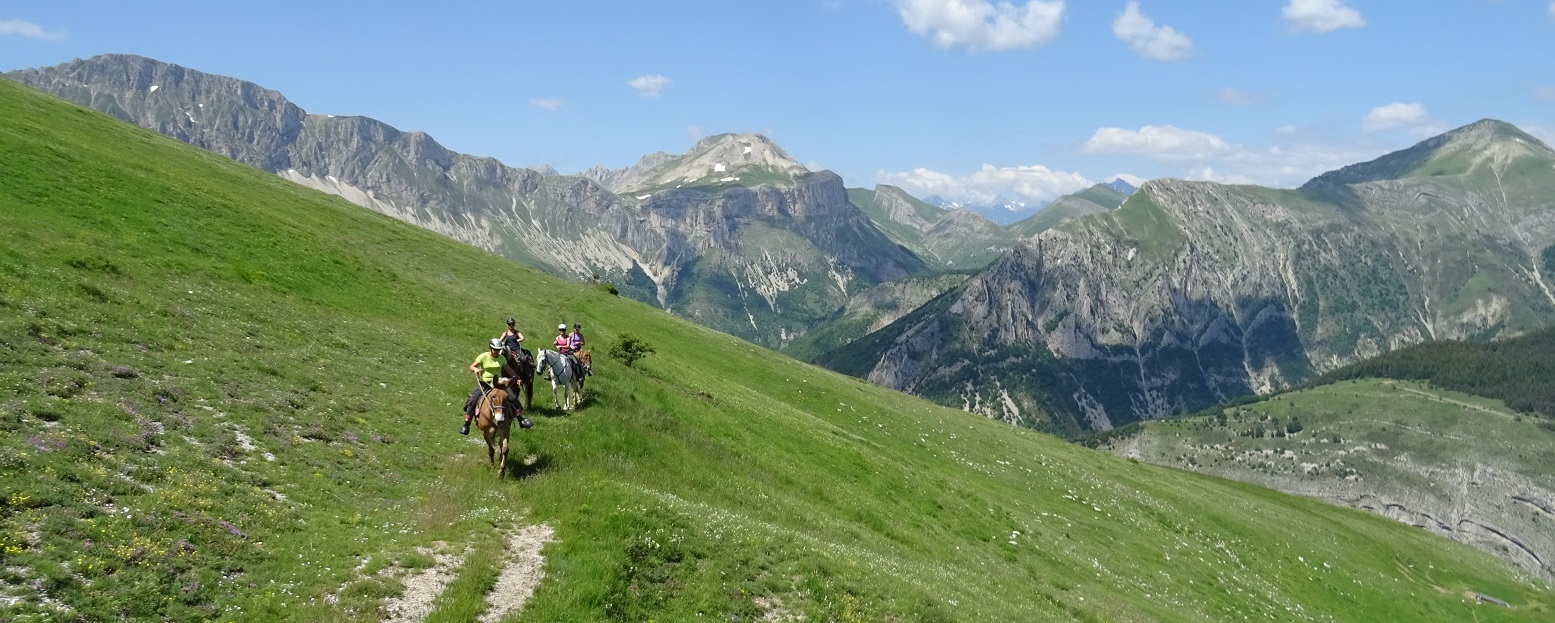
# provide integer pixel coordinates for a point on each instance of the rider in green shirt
(487, 368)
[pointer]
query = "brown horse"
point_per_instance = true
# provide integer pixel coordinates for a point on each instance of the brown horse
(585, 358)
(495, 417)
(524, 366)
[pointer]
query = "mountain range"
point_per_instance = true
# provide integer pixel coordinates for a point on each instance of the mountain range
(734, 234)
(1104, 308)
(1006, 211)
(225, 396)
(1193, 293)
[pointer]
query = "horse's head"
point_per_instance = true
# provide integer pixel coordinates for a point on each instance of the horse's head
(586, 357)
(497, 400)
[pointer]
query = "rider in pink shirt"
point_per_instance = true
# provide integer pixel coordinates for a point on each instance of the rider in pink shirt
(563, 344)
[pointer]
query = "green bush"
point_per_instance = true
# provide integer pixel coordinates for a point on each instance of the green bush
(629, 349)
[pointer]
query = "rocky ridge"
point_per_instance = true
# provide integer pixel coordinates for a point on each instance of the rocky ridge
(763, 257)
(1192, 293)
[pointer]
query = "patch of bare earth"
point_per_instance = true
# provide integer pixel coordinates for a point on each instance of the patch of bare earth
(524, 569)
(773, 611)
(422, 588)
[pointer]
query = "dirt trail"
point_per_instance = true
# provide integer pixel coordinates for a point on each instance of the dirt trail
(1467, 405)
(422, 588)
(523, 572)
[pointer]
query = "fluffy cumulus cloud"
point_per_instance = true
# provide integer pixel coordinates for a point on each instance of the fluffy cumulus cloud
(1166, 143)
(1033, 184)
(546, 103)
(1144, 37)
(29, 30)
(1321, 16)
(978, 25)
(1398, 115)
(649, 85)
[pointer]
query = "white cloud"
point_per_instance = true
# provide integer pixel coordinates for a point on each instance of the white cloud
(1237, 97)
(1143, 36)
(695, 133)
(1412, 117)
(1035, 184)
(1286, 130)
(1321, 16)
(29, 30)
(1166, 143)
(546, 103)
(978, 25)
(1203, 156)
(1552, 9)
(649, 85)
(1546, 92)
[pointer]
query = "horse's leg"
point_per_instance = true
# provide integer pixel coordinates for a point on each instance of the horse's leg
(502, 470)
(490, 451)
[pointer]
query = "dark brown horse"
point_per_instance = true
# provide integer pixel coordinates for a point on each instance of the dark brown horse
(523, 364)
(586, 359)
(495, 415)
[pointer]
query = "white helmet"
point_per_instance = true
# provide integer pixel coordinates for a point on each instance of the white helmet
(496, 343)
(561, 327)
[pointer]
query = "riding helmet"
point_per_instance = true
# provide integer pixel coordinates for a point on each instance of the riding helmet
(561, 327)
(496, 343)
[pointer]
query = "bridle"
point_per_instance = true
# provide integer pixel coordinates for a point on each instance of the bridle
(495, 399)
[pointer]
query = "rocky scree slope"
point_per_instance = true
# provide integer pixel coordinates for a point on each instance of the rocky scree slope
(1193, 293)
(763, 257)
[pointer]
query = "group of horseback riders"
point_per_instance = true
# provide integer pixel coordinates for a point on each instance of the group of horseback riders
(506, 357)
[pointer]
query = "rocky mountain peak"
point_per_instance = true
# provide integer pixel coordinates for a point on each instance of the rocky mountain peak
(1458, 152)
(745, 159)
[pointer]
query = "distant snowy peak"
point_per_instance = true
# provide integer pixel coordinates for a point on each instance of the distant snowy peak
(1002, 210)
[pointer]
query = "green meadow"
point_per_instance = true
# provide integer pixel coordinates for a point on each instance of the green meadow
(225, 397)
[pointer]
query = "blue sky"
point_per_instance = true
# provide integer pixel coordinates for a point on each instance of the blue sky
(967, 99)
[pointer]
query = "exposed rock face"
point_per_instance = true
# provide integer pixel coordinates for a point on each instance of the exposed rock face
(734, 234)
(1192, 293)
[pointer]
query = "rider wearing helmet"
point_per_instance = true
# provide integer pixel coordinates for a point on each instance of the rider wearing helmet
(575, 342)
(513, 345)
(512, 338)
(563, 343)
(487, 368)
(564, 346)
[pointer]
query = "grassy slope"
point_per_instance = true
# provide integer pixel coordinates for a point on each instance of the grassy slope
(1397, 440)
(156, 301)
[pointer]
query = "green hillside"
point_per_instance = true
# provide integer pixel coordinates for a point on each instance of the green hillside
(227, 397)
(1459, 465)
